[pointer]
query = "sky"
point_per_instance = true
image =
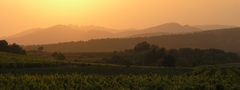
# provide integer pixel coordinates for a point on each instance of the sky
(19, 15)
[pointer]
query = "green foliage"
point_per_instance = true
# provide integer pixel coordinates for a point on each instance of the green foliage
(87, 77)
(58, 56)
(40, 49)
(3, 45)
(11, 60)
(142, 47)
(219, 79)
(195, 57)
(151, 55)
(14, 48)
(169, 61)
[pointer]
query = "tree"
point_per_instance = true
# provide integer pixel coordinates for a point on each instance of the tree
(40, 49)
(142, 46)
(169, 61)
(58, 56)
(3, 45)
(14, 48)
(147, 54)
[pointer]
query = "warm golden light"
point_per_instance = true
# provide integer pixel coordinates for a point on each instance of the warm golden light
(18, 15)
(64, 5)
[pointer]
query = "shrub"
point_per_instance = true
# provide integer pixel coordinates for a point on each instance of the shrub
(12, 48)
(58, 56)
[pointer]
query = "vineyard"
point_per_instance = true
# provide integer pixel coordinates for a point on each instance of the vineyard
(26, 72)
(204, 78)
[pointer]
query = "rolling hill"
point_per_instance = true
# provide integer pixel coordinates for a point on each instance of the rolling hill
(67, 33)
(225, 39)
(173, 28)
(164, 29)
(214, 27)
(60, 33)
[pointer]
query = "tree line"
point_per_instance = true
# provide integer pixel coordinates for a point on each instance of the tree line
(152, 55)
(11, 48)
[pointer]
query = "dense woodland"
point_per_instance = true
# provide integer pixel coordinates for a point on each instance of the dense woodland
(152, 55)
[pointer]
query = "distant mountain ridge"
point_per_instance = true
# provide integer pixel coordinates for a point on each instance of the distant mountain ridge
(172, 28)
(215, 26)
(60, 33)
(225, 39)
(64, 33)
(167, 29)
(68, 33)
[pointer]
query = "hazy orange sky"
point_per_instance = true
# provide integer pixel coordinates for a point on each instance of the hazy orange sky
(20, 15)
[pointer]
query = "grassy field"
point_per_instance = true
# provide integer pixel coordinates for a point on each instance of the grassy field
(203, 79)
(28, 72)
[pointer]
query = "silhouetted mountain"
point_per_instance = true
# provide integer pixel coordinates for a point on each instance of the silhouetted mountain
(60, 33)
(165, 29)
(173, 28)
(225, 39)
(27, 32)
(63, 33)
(214, 27)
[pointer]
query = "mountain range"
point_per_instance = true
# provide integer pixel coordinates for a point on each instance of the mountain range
(68, 33)
(59, 33)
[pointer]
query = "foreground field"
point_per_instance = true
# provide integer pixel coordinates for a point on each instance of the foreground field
(26, 72)
(207, 78)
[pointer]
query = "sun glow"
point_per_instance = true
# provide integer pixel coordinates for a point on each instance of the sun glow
(64, 6)
(18, 15)
(69, 9)
(70, 4)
